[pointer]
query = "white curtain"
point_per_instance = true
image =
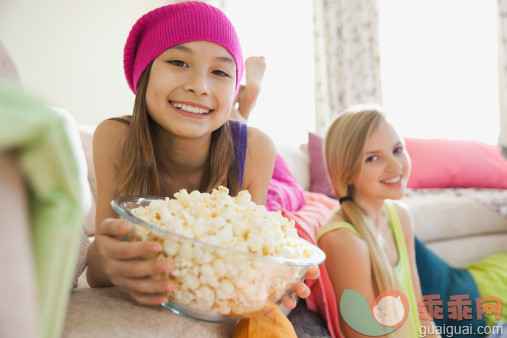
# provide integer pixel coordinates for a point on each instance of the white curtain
(502, 70)
(347, 62)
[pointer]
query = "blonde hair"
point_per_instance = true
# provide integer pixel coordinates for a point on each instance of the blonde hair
(344, 148)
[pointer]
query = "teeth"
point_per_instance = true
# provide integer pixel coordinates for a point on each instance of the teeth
(189, 108)
(393, 180)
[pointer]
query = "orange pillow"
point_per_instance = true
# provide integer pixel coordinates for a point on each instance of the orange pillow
(443, 163)
(274, 325)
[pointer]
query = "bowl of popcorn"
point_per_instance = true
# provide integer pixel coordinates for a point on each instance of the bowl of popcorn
(232, 258)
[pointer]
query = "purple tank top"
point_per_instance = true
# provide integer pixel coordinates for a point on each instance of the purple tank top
(239, 136)
(284, 193)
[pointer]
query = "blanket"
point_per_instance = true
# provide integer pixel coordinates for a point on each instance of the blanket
(284, 192)
(308, 220)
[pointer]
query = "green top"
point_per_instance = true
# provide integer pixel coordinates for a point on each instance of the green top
(490, 275)
(402, 268)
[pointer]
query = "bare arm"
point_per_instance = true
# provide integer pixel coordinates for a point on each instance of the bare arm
(105, 164)
(259, 165)
(349, 267)
(109, 258)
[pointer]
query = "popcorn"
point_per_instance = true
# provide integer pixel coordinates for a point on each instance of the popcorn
(219, 267)
(227, 282)
(171, 247)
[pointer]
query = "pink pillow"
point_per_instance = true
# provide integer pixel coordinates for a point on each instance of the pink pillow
(284, 192)
(441, 163)
(318, 174)
(436, 163)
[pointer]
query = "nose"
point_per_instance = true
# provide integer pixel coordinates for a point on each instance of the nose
(394, 164)
(197, 83)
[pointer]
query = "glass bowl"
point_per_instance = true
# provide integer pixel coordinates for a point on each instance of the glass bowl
(214, 283)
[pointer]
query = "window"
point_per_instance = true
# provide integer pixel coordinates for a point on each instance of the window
(439, 68)
(282, 31)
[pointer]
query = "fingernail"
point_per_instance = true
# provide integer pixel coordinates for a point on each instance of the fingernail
(125, 226)
(168, 286)
(156, 247)
(166, 266)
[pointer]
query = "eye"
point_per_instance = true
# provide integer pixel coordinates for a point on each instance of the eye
(178, 63)
(220, 73)
(398, 150)
(372, 158)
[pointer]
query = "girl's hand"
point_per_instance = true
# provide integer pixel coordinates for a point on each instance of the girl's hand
(301, 289)
(111, 261)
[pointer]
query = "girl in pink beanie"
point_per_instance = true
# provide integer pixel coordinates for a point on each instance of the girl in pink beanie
(184, 64)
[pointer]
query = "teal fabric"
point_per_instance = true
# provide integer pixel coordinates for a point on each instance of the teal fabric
(39, 137)
(438, 278)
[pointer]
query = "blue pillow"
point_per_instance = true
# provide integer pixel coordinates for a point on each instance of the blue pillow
(438, 278)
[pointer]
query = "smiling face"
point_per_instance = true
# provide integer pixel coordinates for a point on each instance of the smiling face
(191, 88)
(385, 167)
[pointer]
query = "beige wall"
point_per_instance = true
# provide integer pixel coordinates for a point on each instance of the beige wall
(71, 52)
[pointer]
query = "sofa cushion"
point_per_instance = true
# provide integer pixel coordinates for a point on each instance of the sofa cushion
(86, 136)
(298, 163)
(442, 217)
(91, 312)
(81, 261)
(440, 163)
(461, 252)
(319, 179)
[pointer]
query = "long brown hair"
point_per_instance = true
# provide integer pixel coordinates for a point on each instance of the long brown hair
(138, 169)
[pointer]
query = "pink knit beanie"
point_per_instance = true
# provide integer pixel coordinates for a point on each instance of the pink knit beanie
(174, 24)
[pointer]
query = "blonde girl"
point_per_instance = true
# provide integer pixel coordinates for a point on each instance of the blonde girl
(369, 241)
